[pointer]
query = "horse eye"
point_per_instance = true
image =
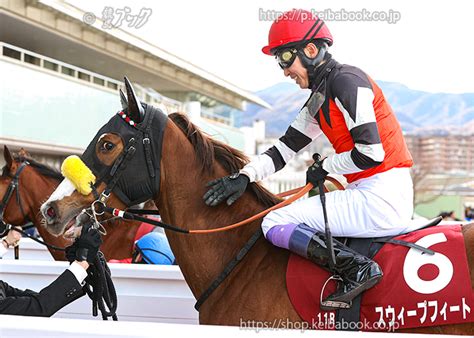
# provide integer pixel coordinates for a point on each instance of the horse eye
(107, 146)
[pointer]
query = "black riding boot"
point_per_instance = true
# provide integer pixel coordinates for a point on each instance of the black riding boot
(358, 272)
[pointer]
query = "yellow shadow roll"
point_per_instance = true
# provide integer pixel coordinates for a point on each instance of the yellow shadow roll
(78, 173)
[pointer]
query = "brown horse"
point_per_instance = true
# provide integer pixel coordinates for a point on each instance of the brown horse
(256, 289)
(36, 183)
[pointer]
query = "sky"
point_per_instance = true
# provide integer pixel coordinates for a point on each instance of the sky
(428, 48)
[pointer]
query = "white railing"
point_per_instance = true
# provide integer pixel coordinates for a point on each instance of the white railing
(278, 183)
(10, 52)
(156, 293)
(30, 250)
(13, 53)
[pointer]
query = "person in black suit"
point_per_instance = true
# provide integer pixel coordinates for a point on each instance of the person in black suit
(64, 290)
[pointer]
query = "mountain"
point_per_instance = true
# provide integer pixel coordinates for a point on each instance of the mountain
(418, 112)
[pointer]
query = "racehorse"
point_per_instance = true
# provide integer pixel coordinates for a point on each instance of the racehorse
(184, 161)
(36, 182)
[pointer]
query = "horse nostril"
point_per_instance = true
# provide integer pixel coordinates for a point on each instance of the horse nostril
(51, 213)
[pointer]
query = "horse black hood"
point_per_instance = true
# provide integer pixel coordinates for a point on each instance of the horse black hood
(135, 174)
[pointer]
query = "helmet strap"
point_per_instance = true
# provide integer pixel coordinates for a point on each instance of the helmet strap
(311, 64)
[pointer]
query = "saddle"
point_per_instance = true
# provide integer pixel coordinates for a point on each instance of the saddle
(424, 283)
(369, 248)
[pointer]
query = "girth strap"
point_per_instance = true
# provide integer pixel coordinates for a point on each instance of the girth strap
(229, 268)
(405, 243)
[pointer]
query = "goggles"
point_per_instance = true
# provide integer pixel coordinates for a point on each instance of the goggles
(286, 57)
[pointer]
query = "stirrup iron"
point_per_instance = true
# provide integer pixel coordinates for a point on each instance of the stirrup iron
(330, 305)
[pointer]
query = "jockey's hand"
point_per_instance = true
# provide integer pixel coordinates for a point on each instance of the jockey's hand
(315, 172)
(228, 187)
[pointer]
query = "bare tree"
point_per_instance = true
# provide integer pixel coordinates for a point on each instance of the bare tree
(426, 189)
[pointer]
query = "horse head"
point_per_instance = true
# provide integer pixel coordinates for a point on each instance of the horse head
(13, 208)
(124, 156)
(24, 185)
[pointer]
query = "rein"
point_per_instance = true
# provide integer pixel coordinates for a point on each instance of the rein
(99, 208)
(301, 192)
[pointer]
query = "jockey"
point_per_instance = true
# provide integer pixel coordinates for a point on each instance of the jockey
(348, 107)
(153, 248)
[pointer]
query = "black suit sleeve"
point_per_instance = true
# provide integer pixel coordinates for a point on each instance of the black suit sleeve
(46, 303)
(8, 291)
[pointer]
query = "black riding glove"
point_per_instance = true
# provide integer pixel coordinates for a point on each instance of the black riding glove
(228, 187)
(71, 253)
(3, 229)
(85, 247)
(315, 172)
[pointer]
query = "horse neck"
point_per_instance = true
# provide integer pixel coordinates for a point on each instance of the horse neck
(119, 241)
(201, 257)
(43, 187)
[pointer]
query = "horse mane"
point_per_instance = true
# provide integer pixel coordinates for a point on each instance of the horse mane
(209, 150)
(43, 169)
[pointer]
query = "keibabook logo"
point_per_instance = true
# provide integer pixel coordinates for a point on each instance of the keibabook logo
(116, 17)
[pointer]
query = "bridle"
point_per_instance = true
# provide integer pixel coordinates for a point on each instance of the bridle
(14, 185)
(112, 177)
(115, 172)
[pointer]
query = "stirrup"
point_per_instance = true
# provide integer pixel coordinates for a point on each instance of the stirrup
(330, 305)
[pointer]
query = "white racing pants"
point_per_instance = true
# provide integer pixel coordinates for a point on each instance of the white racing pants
(381, 205)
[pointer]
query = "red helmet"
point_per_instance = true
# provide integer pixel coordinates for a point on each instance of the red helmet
(296, 25)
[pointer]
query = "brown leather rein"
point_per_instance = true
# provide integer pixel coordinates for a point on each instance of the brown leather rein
(99, 208)
(297, 194)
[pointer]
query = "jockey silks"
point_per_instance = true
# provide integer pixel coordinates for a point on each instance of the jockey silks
(355, 118)
(361, 126)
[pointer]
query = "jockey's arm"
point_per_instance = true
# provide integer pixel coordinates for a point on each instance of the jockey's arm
(299, 134)
(354, 98)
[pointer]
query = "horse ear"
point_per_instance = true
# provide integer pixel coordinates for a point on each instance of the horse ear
(123, 100)
(23, 153)
(8, 156)
(135, 108)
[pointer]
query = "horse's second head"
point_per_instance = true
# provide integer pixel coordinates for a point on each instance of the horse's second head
(24, 184)
(14, 177)
(124, 157)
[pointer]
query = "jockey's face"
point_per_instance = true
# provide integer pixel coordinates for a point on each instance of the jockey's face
(297, 71)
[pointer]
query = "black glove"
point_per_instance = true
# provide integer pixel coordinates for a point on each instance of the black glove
(3, 229)
(230, 187)
(71, 253)
(315, 172)
(85, 247)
